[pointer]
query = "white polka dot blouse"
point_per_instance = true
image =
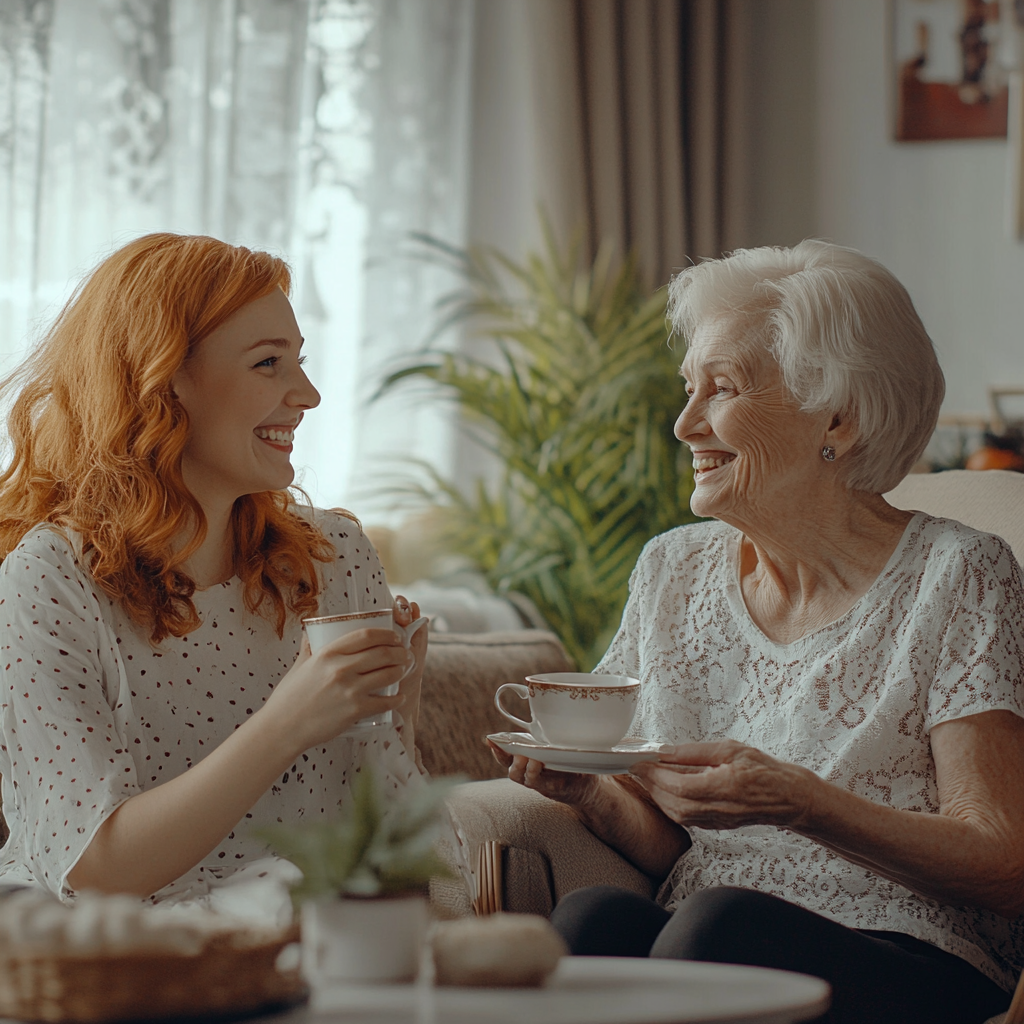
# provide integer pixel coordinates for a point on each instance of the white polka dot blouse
(92, 713)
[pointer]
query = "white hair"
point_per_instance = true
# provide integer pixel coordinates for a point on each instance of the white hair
(845, 335)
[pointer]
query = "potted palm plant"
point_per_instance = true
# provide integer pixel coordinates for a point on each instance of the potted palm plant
(362, 895)
(575, 393)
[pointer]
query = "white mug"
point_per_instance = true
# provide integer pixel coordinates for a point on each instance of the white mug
(323, 629)
(575, 709)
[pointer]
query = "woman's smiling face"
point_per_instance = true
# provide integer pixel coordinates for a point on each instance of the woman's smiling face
(245, 392)
(754, 449)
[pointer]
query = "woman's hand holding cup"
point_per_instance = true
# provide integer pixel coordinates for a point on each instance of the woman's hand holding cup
(406, 615)
(405, 626)
(330, 689)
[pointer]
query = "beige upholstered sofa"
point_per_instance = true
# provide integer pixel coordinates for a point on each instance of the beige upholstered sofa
(547, 853)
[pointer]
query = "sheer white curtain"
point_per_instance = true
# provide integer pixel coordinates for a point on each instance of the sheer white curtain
(326, 131)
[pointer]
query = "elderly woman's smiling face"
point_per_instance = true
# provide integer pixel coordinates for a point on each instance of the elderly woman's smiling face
(755, 452)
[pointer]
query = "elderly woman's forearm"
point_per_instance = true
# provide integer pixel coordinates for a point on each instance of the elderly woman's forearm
(620, 813)
(937, 856)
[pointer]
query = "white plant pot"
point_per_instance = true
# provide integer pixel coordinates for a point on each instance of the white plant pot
(363, 940)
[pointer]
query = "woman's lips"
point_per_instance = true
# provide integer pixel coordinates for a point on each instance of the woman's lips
(280, 438)
(707, 463)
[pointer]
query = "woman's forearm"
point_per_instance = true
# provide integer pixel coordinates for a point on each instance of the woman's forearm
(157, 835)
(620, 813)
(938, 856)
(972, 852)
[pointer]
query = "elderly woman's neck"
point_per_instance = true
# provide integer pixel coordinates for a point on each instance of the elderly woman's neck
(802, 571)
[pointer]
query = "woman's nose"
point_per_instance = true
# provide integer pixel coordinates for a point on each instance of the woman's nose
(304, 395)
(689, 422)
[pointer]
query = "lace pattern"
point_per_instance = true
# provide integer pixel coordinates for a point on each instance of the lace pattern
(938, 636)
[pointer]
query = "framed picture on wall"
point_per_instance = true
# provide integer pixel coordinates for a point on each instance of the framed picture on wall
(951, 82)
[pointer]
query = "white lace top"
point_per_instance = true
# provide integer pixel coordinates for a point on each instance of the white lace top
(939, 635)
(91, 712)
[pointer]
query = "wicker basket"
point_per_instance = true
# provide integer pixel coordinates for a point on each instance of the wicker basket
(225, 978)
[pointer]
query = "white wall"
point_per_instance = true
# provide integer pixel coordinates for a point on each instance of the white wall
(932, 212)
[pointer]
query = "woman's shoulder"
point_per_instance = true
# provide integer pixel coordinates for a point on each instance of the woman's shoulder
(338, 525)
(46, 545)
(948, 540)
(694, 550)
(688, 539)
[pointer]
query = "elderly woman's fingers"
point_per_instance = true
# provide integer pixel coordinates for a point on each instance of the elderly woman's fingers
(750, 788)
(505, 760)
(517, 769)
(702, 754)
(565, 787)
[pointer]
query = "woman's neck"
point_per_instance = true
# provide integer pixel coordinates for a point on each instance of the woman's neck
(213, 561)
(803, 572)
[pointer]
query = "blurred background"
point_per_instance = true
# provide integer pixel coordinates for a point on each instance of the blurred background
(341, 133)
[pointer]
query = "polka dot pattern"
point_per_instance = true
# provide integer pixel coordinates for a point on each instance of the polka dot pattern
(92, 713)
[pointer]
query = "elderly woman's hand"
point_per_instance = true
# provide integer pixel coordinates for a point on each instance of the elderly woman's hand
(727, 785)
(566, 787)
(614, 808)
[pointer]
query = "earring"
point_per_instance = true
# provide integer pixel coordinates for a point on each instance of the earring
(828, 453)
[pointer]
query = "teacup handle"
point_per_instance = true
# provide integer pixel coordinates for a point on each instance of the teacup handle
(520, 691)
(407, 633)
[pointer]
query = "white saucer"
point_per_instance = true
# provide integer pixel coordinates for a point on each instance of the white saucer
(616, 760)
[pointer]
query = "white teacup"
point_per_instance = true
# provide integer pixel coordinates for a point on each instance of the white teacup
(324, 629)
(575, 709)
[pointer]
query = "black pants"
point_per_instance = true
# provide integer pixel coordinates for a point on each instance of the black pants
(876, 977)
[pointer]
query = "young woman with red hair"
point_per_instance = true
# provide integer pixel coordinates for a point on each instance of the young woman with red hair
(158, 699)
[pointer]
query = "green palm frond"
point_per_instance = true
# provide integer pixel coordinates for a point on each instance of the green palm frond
(577, 399)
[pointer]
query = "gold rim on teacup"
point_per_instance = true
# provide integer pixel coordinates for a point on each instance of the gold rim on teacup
(549, 682)
(348, 616)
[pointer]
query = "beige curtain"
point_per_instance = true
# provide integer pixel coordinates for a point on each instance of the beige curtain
(643, 116)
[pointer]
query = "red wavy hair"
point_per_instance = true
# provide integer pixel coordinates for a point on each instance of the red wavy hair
(98, 434)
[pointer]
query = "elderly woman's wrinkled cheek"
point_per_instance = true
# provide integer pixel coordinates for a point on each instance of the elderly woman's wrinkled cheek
(757, 470)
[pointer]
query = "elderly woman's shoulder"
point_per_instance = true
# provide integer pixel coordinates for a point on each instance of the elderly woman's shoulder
(684, 541)
(940, 537)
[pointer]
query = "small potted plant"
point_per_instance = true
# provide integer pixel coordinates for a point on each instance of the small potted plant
(362, 896)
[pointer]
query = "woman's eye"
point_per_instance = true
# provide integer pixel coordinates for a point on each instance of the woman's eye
(302, 360)
(269, 361)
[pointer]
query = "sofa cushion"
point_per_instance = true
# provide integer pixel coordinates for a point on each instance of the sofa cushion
(457, 704)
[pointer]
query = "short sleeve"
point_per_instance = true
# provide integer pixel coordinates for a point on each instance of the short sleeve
(623, 654)
(355, 580)
(65, 763)
(980, 666)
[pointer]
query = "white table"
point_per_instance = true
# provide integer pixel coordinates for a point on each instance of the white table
(587, 990)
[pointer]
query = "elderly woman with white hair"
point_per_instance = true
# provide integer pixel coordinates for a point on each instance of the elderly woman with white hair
(840, 680)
